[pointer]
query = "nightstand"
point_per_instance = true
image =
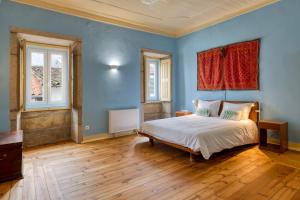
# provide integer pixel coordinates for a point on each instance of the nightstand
(183, 113)
(280, 127)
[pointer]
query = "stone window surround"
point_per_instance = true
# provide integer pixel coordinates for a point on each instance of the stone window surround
(49, 131)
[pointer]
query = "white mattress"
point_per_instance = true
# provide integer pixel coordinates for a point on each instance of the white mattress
(205, 134)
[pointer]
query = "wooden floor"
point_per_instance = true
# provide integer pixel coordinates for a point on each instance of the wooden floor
(128, 168)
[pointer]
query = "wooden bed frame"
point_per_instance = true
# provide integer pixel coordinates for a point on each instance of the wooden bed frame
(253, 115)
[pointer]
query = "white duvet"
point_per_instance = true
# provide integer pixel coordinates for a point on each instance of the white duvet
(205, 134)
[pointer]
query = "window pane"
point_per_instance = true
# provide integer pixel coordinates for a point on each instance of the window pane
(152, 81)
(37, 77)
(57, 78)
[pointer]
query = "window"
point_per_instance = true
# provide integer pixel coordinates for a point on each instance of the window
(152, 80)
(158, 73)
(47, 84)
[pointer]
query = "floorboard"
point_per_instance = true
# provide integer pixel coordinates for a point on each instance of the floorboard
(129, 168)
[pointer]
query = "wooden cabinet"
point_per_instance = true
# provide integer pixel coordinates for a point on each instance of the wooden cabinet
(11, 155)
(183, 113)
(280, 127)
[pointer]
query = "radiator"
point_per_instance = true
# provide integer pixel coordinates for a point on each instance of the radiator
(123, 120)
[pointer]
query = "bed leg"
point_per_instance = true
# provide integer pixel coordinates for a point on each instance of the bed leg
(151, 142)
(192, 157)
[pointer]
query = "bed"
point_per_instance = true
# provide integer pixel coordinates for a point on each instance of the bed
(203, 135)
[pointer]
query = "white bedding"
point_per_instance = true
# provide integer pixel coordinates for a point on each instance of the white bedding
(205, 134)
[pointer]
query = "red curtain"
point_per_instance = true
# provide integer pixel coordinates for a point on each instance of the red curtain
(234, 67)
(240, 66)
(210, 70)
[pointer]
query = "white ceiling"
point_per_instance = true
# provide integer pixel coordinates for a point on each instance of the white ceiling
(168, 17)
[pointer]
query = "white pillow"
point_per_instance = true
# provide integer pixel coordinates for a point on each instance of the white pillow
(212, 106)
(244, 108)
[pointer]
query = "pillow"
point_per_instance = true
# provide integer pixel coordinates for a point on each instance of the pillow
(231, 115)
(212, 106)
(203, 112)
(244, 108)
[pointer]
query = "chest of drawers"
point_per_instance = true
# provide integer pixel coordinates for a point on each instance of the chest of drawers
(11, 155)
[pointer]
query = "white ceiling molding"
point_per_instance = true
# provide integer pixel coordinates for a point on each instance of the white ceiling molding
(173, 18)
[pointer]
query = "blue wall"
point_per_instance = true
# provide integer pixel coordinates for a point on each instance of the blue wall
(102, 44)
(278, 26)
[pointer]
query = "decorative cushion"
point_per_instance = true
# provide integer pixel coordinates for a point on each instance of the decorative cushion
(212, 106)
(203, 112)
(231, 115)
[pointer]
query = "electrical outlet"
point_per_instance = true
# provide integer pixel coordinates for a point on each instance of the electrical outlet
(87, 127)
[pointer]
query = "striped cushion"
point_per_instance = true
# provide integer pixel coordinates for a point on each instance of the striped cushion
(231, 115)
(203, 112)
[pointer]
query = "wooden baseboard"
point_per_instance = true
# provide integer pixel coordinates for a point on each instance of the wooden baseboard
(291, 145)
(103, 136)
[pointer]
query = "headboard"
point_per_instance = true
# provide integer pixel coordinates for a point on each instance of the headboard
(253, 115)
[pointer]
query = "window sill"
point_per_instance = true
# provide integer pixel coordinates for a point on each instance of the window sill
(154, 102)
(46, 109)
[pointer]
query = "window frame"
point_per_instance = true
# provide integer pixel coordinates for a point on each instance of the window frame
(47, 49)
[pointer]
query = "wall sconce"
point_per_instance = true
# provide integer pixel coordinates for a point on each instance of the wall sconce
(114, 67)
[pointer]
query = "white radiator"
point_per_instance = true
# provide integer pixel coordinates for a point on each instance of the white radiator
(123, 120)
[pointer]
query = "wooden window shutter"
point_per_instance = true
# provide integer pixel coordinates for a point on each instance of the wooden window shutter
(165, 79)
